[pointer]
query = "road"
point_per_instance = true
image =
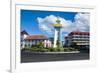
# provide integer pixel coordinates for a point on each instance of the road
(27, 57)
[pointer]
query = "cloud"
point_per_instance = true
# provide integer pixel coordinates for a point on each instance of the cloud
(46, 24)
(81, 23)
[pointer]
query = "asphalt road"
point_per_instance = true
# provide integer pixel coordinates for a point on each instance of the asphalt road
(27, 57)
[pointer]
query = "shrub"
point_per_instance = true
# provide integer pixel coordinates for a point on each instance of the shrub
(40, 45)
(57, 49)
(65, 49)
(51, 49)
(43, 50)
(71, 49)
(34, 46)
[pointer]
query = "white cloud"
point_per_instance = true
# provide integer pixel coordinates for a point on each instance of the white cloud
(81, 23)
(45, 24)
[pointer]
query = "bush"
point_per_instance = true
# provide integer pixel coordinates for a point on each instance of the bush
(51, 49)
(40, 45)
(57, 49)
(34, 46)
(65, 49)
(44, 50)
(71, 49)
(35, 49)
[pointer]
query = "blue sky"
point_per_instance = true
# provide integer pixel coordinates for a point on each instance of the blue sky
(30, 21)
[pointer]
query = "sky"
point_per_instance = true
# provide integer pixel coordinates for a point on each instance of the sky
(41, 22)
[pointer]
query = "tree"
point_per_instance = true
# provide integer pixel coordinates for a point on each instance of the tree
(40, 44)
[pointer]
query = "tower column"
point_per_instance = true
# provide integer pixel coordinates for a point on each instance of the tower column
(55, 38)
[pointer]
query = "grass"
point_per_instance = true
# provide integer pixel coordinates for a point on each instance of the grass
(42, 49)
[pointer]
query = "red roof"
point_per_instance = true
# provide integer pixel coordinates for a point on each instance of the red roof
(79, 33)
(35, 37)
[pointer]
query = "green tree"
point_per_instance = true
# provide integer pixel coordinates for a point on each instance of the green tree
(40, 44)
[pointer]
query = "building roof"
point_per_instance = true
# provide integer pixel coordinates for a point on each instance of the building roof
(36, 37)
(24, 32)
(79, 33)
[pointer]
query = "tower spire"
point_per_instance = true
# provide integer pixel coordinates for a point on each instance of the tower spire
(58, 21)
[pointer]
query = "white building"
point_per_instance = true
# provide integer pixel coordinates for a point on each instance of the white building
(29, 40)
